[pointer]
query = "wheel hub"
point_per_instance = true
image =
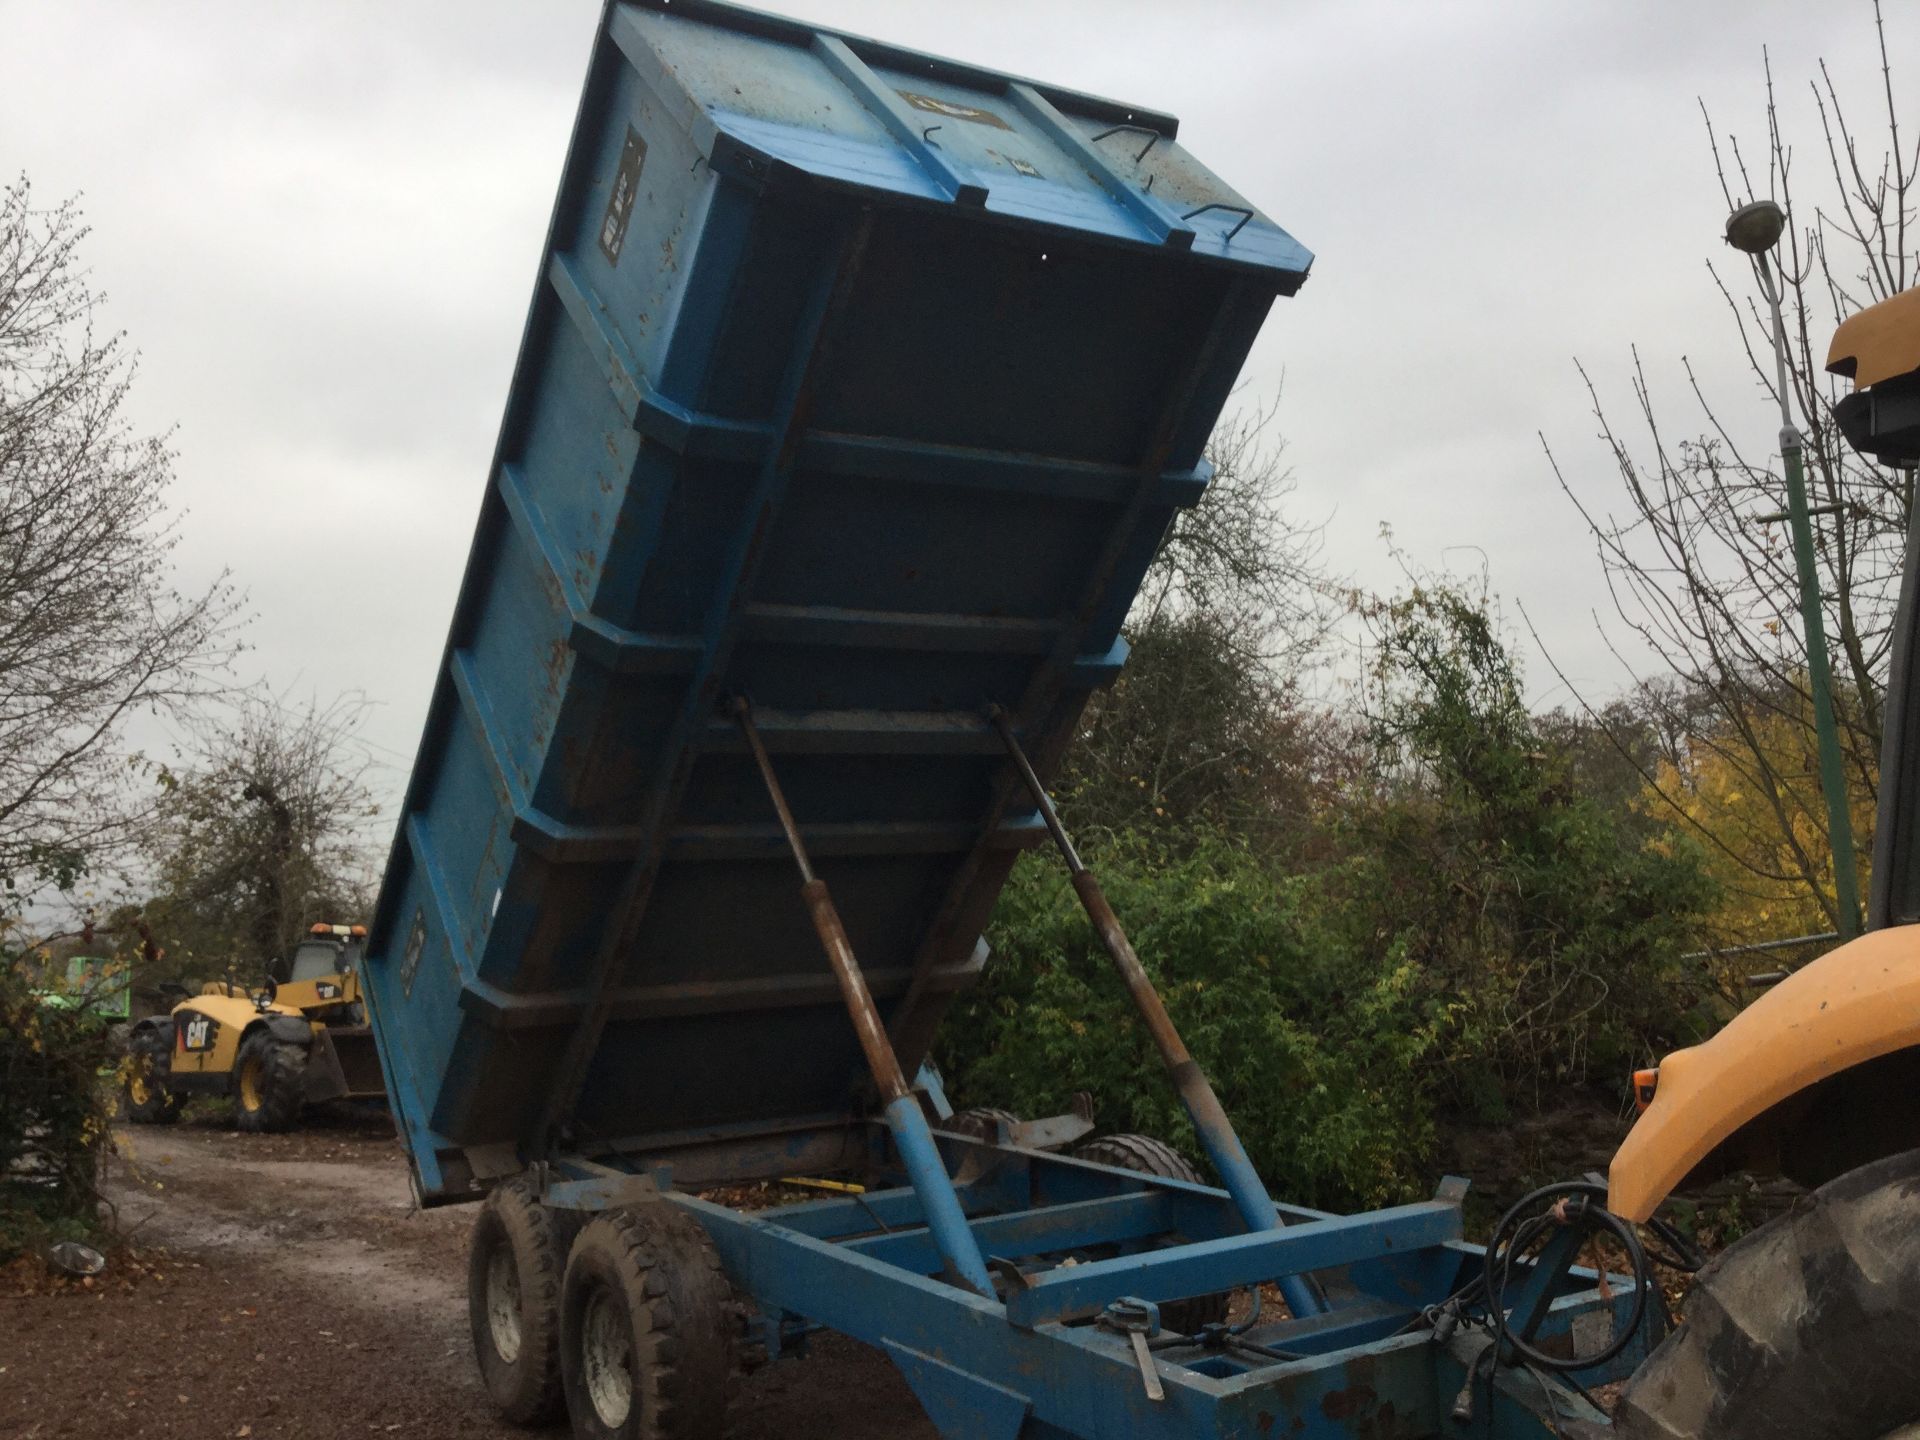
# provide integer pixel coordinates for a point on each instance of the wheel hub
(250, 1084)
(606, 1356)
(503, 1304)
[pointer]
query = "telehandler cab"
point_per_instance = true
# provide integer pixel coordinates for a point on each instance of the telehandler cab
(300, 1039)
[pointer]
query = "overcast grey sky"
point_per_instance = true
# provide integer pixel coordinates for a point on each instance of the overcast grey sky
(319, 224)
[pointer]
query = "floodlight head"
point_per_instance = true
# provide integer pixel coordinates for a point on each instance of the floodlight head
(1756, 228)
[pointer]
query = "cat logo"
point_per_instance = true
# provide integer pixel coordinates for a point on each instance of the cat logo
(327, 990)
(198, 1033)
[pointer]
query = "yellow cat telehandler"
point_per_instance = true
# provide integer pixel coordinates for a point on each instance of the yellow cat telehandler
(1810, 1326)
(300, 1039)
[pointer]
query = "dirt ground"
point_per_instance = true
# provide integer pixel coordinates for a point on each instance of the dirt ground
(284, 1286)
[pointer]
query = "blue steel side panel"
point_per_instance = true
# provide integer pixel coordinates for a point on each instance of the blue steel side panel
(943, 499)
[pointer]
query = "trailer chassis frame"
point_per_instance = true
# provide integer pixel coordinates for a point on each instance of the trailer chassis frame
(1019, 1291)
(1037, 1362)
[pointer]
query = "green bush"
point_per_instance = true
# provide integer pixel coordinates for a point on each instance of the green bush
(1552, 922)
(1476, 932)
(54, 1111)
(1317, 1052)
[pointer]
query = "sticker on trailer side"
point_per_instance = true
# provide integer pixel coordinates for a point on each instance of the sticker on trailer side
(416, 944)
(952, 111)
(626, 187)
(1025, 167)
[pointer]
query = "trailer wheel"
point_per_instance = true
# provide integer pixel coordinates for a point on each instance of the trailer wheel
(1805, 1327)
(269, 1083)
(1145, 1155)
(647, 1325)
(144, 1087)
(514, 1266)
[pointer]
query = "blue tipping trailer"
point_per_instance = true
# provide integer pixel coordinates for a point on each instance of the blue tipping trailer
(857, 392)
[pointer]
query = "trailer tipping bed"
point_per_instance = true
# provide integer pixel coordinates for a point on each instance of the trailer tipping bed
(858, 390)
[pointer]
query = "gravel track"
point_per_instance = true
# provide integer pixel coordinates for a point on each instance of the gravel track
(287, 1287)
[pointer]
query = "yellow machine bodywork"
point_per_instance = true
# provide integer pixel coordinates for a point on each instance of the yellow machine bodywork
(1853, 1005)
(318, 1048)
(1879, 343)
(309, 996)
(208, 1029)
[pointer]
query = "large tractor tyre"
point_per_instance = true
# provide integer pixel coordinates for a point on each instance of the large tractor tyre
(269, 1083)
(1147, 1156)
(1805, 1328)
(146, 1078)
(514, 1266)
(647, 1325)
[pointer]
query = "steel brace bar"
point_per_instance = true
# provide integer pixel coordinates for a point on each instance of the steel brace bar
(912, 1136)
(1210, 1120)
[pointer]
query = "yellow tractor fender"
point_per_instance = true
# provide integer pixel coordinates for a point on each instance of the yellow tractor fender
(1852, 1005)
(1879, 343)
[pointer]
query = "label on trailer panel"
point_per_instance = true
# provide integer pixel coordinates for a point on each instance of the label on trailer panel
(626, 188)
(410, 960)
(1025, 167)
(952, 111)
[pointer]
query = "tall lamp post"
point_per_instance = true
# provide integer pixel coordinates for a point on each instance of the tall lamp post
(1755, 229)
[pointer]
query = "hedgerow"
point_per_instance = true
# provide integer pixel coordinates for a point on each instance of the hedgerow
(55, 1107)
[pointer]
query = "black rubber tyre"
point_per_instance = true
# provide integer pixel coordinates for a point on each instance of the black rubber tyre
(1804, 1329)
(647, 1326)
(269, 1083)
(1147, 1156)
(144, 1091)
(982, 1122)
(515, 1262)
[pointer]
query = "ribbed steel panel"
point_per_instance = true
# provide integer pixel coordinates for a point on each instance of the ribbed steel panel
(860, 383)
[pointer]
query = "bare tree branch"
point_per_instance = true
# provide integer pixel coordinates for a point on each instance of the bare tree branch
(92, 627)
(1695, 573)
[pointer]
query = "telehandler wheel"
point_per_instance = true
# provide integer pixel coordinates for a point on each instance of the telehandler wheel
(269, 1083)
(1804, 1328)
(646, 1328)
(514, 1266)
(1148, 1156)
(148, 1100)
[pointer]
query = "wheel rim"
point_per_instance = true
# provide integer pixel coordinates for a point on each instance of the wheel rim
(137, 1090)
(503, 1304)
(250, 1083)
(606, 1358)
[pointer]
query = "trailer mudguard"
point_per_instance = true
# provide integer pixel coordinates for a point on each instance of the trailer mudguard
(1853, 1005)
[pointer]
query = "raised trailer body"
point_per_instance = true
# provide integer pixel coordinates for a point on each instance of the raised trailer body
(858, 390)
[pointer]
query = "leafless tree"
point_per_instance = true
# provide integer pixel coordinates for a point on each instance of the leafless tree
(1241, 557)
(92, 625)
(268, 827)
(1700, 567)
(1205, 724)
